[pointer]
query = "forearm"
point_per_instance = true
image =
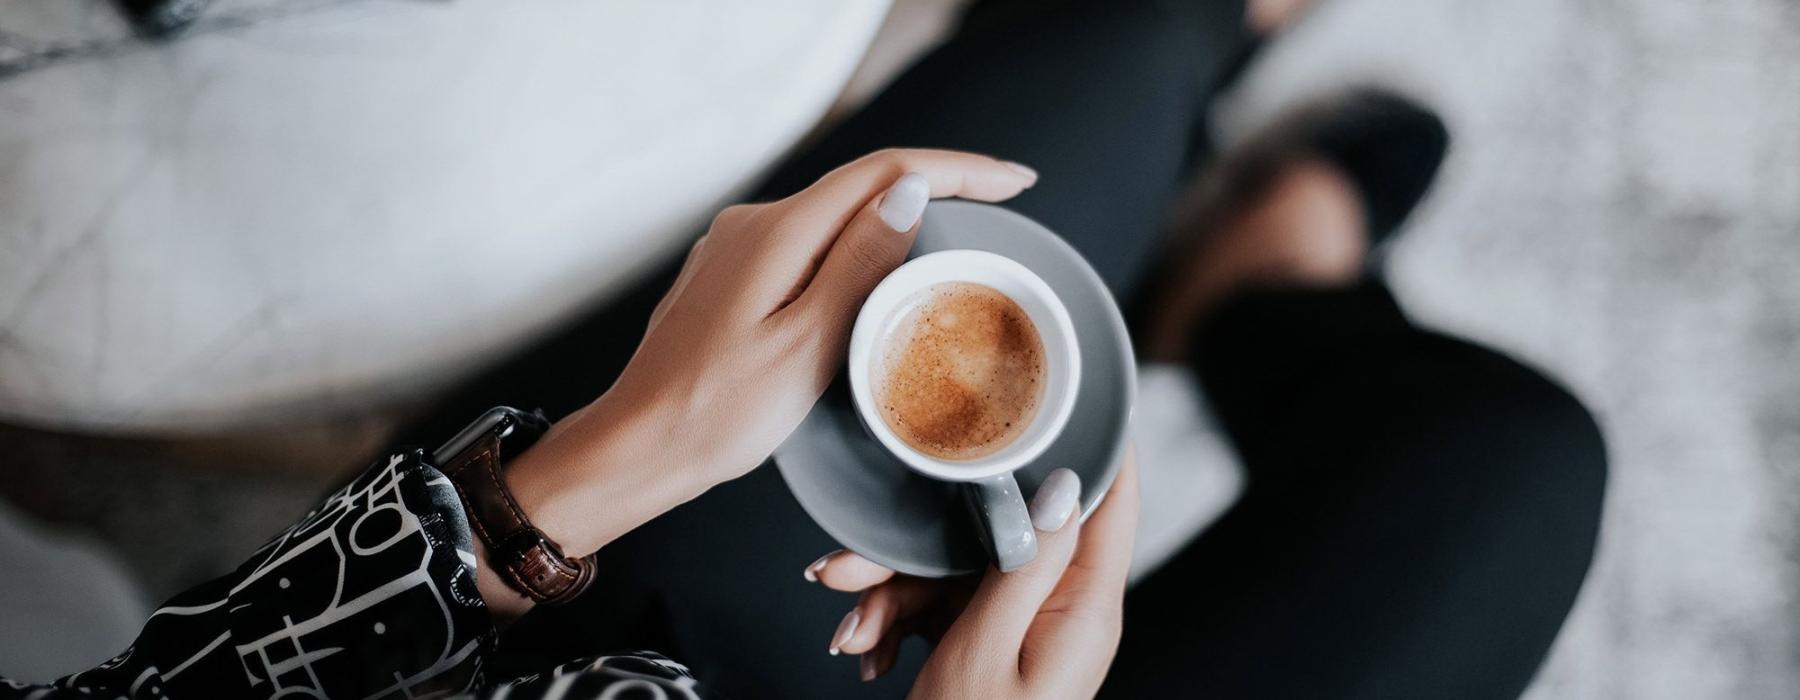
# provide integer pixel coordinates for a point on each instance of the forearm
(370, 594)
(598, 474)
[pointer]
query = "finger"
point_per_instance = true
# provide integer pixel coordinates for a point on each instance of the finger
(1081, 618)
(881, 610)
(950, 174)
(871, 246)
(844, 570)
(878, 661)
(1004, 604)
(811, 220)
(1102, 562)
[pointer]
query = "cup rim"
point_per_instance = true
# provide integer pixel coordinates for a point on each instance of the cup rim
(895, 290)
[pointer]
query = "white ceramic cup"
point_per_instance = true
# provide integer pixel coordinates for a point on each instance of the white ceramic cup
(993, 492)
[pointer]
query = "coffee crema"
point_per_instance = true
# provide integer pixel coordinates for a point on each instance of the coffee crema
(962, 374)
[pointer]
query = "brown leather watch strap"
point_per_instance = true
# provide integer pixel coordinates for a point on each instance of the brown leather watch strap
(524, 557)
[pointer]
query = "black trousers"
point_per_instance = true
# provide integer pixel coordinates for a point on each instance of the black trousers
(1420, 511)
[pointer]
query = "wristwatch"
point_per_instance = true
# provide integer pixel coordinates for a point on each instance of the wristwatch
(525, 558)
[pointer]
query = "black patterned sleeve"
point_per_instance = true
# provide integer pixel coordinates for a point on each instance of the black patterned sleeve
(371, 595)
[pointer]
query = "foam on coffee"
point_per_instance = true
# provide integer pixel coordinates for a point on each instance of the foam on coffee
(962, 374)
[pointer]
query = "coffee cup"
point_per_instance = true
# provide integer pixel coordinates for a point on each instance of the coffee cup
(886, 332)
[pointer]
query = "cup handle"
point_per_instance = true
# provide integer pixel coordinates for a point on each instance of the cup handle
(1002, 521)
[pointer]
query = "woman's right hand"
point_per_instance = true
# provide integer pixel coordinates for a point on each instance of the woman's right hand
(1048, 630)
(752, 332)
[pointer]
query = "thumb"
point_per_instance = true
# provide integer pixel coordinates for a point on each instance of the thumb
(870, 246)
(1005, 604)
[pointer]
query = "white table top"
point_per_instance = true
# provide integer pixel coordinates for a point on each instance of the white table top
(358, 201)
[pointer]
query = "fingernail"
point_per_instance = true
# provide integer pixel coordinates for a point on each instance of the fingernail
(905, 202)
(812, 570)
(844, 630)
(1021, 169)
(1055, 500)
(868, 667)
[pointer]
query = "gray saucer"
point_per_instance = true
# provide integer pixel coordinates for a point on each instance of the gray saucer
(874, 505)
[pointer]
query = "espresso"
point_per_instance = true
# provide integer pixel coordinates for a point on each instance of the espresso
(962, 374)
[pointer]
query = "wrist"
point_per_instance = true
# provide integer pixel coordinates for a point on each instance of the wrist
(604, 470)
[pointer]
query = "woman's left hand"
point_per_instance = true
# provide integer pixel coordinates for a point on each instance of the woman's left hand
(745, 342)
(1046, 630)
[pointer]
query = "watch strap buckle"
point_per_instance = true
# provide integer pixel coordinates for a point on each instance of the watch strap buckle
(528, 560)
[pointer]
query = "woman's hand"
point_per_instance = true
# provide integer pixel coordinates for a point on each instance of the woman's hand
(757, 323)
(744, 343)
(1048, 630)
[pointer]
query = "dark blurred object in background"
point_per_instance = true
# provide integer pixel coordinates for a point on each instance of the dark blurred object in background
(161, 17)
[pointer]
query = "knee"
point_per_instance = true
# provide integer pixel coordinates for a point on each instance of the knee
(1549, 428)
(1535, 445)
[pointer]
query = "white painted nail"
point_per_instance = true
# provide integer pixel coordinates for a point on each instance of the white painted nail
(844, 630)
(1055, 500)
(812, 570)
(1021, 169)
(868, 666)
(905, 202)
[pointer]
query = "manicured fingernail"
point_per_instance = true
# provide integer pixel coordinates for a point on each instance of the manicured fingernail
(905, 202)
(1055, 500)
(844, 630)
(812, 570)
(1021, 169)
(868, 666)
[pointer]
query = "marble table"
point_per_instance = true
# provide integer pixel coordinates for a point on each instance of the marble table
(301, 206)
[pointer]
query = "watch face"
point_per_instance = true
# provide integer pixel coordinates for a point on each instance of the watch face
(518, 430)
